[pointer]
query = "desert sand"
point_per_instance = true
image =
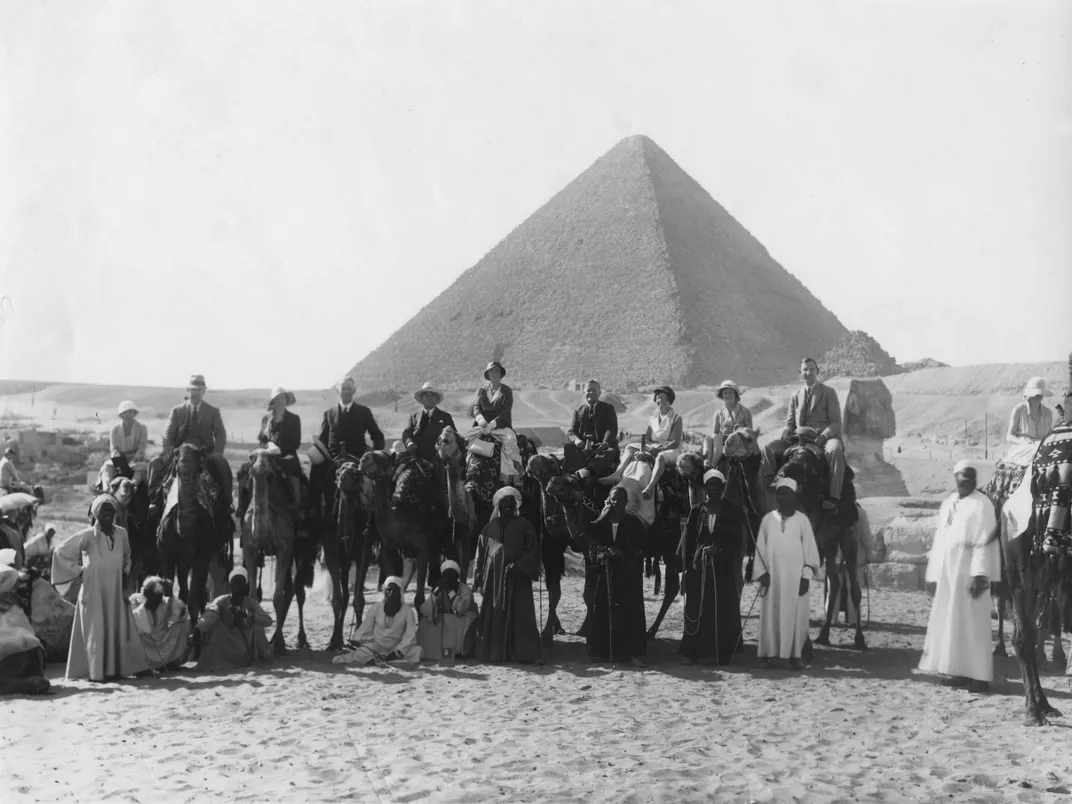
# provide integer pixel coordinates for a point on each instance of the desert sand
(851, 727)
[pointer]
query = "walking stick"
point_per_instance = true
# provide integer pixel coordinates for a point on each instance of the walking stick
(610, 611)
(740, 637)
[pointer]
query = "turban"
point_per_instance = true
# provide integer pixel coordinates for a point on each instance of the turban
(152, 583)
(50, 526)
(964, 466)
(784, 483)
(504, 492)
(238, 572)
(711, 474)
(393, 580)
(7, 557)
(102, 500)
(448, 564)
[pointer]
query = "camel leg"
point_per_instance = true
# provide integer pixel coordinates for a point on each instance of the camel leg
(833, 597)
(423, 555)
(282, 596)
(1023, 576)
(299, 593)
(1056, 627)
(364, 559)
(999, 648)
(656, 569)
(339, 570)
(197, 589)
(553, 626)
(856, 594)
(673, 587)
(409, 569)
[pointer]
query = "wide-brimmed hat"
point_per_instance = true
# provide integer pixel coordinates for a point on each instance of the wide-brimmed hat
(11, 446)
(196, 381)
(494, 364)
(664, 389)
(1036, 386)
(728, 385)
(278, 392)
(428, 388)
(124, 406)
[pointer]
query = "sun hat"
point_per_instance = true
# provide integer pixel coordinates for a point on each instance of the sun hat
(124, 406)
(428, 388)
(494, 364)
(728, 385)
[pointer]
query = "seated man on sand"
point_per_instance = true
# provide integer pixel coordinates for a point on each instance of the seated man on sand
(448, 617)
(162, 622)
(22, 657)
(231, 630)
(388, 632)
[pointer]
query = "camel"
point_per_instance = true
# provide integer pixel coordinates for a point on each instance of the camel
(834, 534)
(402, 530)
(1037, 565)
(191, 534)
(551, 513)
(268, 529)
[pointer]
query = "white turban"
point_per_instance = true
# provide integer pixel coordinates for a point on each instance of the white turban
(7, 557)
(448, 564)
(785, 483)
(393, 580)
(503, 493)
(100, 501)
(963, 466)
(238, 572)
(713, 473)
(50, 526)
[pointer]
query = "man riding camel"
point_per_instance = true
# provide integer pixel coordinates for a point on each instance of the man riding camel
(814, 416)
(198, 423)
(347, 423)
(424, 428)
(593, 435)
(9, 478)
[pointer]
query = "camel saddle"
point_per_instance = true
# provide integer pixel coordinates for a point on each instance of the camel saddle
(412, 482)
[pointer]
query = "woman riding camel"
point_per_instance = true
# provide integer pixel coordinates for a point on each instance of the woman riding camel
(492, 415)
(662, 438)
(1030, 422)
(281, 435)
(130, 437)
(733, 423)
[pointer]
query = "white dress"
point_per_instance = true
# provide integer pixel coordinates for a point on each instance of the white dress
(958, 641)
(784, 548)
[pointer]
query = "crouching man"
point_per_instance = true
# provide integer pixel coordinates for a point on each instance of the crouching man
(388, 632)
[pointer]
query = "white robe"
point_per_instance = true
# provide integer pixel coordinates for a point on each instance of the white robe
(380, 635)
(958, 641)
(784, 552)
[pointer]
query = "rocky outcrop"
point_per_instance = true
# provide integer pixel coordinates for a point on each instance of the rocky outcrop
(857, 354)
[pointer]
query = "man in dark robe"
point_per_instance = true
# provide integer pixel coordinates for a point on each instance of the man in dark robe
(507, 563)
(710, 546)
(616, 627)
(593, 435)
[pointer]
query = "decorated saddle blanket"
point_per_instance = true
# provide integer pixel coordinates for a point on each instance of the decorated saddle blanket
(414, 482)
(208, 493)
(1051, 487)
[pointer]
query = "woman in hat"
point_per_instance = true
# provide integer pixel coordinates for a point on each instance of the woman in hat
(105, 644)
(1030, 422)
(281, 435)
(494, 400)
(733, 424)
(130, 437)
(662, 438)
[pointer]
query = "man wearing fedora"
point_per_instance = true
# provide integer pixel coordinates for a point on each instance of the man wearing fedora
(198, 423)
(423, 430)
(593, 435)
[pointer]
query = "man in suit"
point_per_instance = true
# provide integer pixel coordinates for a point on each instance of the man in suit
(814, 415)
(593, 435)
(347, 423)
(423, 430)
(196, 422)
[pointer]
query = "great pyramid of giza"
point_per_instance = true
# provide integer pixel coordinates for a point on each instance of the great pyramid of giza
(632, 274)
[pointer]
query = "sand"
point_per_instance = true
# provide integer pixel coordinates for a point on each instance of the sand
(851, 727)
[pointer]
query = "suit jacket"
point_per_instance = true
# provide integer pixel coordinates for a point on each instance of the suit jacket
(823, 413)
(208, 432)
(500, 411)
(426, 439)
(339, 427)
(600, 426)
(286, 435)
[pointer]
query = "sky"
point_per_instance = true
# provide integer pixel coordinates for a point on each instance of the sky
(263, 191)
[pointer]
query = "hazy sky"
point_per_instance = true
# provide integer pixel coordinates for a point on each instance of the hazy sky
(264, 191)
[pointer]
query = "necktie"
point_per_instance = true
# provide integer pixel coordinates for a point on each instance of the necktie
(807, 407)
(193, 415)
(423, 422)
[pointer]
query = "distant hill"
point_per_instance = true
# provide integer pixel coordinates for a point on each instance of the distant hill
(632, 274)
(857, 354)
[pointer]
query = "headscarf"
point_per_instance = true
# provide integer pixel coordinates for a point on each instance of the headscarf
(963, 466)
(713, 473)
(393, 580)
(448, 564)
(503, 493)
(238, 572)
(784, 483)
(100, 501)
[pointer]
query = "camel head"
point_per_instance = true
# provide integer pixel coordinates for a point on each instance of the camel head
(260, 463)
(349, 478)
(188, 461)
(376, 465)
(565, 489)
(690, 465)
(123, 491)
(449, 444)
(543, 468)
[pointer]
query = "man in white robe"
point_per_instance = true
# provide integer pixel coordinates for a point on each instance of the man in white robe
(787, 558)
(448, 617)
(964, 560)
(388, 632)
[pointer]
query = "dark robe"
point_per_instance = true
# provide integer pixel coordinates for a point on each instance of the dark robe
(507, 625)
(630, 636)
(712, 603)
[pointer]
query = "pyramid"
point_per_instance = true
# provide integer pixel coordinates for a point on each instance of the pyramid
(632, 274)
